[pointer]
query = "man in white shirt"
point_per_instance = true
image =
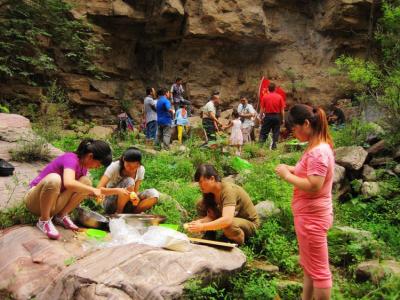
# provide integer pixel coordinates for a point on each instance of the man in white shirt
(247, 114)
(150, 114)
(210, 121)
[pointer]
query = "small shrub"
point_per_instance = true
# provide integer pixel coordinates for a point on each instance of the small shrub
(354, 133)
(16, 215)
(277, 244)
(4, 109)
(348, 246)
(196, 290)
(29, 151)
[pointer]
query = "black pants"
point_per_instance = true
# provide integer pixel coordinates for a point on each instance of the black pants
(209, 127)
(270, 122)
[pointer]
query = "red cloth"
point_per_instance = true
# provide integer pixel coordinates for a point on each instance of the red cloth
(272, 103)
(281, 92)
(263, 88)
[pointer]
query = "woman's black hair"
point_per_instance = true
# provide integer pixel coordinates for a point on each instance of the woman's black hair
(132, 154)
(101, 150)
(298, 115)
(207, 171)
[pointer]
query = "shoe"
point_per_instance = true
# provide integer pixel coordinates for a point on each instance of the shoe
(48, 228)
(66, 222)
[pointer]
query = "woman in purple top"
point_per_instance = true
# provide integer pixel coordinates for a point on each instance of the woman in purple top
(64, 183)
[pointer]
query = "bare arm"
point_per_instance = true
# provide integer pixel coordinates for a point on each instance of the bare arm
(137, 186)
(224, 221)
(70, 183)
(110, 191)
(212, 117)
(309, 184)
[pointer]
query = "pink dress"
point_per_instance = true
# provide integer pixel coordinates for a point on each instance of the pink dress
(313, 214)
(236, 133)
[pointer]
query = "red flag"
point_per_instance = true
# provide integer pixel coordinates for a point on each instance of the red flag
(281, 92)
(262, 89)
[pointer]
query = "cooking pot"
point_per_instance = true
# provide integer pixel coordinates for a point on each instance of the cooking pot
(92, 219)
(141, 219)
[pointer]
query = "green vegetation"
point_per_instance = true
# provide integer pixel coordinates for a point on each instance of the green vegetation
(172, 172)
(33, 150)
(26, 37)
(378, 81)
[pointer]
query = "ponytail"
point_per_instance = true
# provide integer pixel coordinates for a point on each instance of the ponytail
(101, 150)
(299, 113)
(321, 128)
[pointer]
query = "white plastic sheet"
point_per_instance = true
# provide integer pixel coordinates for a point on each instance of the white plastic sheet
(122, 233)
(167, 238)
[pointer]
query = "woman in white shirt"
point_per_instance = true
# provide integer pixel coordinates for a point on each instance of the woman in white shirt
(121, 178)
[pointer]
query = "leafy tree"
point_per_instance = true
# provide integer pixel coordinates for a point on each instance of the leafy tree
(379, 80)
(34, 34)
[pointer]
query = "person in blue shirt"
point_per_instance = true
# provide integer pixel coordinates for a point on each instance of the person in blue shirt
(182, 121)
(165, 114)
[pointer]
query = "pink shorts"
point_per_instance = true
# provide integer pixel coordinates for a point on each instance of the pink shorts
(313, 246)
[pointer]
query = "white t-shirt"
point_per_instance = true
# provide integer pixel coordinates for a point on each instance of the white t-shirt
(248, 109)
(209, 108)
(112, 172)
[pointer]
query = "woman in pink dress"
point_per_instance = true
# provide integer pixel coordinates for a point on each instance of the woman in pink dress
(236, 138)
(312, 178)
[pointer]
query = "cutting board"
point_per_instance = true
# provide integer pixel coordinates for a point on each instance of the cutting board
(212, 243)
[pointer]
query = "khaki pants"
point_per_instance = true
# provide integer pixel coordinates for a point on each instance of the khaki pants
(51, 184)
(248, 227)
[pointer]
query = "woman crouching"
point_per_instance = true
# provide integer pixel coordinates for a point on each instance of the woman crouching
(64, 183)
(225, 206)
(121, 182)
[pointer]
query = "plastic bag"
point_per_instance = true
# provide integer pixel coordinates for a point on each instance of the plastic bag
(122, 233)
(167, 238)
(240, 164)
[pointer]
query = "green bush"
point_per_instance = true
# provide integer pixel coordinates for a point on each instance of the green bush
(16, 215)
(26, 30)
(277, 244)
(354, 133)
(29, 151)
(4, 109)
(348, 246)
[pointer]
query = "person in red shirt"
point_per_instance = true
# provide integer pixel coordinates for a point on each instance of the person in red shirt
(273, 107)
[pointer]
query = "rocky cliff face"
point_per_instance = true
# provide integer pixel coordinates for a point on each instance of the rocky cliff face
(224, 45)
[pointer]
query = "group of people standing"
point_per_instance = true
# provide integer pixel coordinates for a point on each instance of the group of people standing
(271, 116)
(160, 115)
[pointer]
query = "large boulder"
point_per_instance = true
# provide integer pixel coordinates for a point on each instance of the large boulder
(368, 173)
(380, 161)
(396, 153)
(339, 174)
(397, 169)
(376, 270)
(15, 128)
(15, 131)
(352, 157)
(100, 132)
(377, 147)
(32, 266)
(266, 209)
(370, 189)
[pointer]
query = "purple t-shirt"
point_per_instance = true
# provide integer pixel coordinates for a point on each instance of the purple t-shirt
(68, 160)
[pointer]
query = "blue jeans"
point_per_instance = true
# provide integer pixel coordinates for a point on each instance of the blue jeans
(151, 130)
